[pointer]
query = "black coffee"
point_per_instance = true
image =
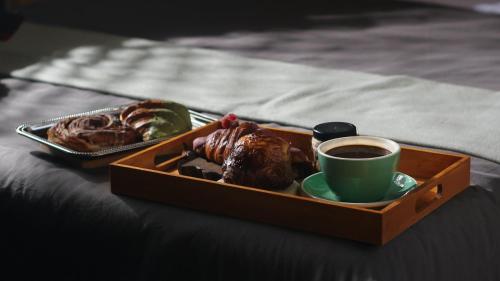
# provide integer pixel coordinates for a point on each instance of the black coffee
(358, 151)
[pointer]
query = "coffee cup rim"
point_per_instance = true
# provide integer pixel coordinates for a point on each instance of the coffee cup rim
(346, 141)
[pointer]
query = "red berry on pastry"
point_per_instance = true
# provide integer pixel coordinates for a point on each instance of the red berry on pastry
(231, 116)
(230, 120)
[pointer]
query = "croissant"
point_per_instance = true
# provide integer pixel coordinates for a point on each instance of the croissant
(260, 159)
(253, 156)
(217, 146)
(91, 133)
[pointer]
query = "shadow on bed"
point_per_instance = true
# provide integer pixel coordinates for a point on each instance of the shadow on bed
(3, 90)
(163, 19)
(98, 175)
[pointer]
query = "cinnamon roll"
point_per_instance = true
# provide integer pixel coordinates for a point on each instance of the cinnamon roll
(156, 118)
(91, 133)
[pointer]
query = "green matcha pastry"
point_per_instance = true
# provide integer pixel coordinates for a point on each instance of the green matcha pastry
(157, 119)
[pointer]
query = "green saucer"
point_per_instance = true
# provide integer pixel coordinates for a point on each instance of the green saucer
(315, 186)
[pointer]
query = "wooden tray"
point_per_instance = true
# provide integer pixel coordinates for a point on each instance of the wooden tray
(440, 175)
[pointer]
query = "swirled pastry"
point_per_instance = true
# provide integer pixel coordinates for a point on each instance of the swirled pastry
(91, 133)
(156, 118)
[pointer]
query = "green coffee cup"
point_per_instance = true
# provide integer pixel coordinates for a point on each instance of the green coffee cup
(359, 168)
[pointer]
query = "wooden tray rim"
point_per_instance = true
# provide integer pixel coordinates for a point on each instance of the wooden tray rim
(461, 158)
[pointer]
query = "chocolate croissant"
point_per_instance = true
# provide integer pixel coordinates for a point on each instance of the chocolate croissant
(91, 133)
(217, 146)
(156, 118)
(253, 156)
(260, 159)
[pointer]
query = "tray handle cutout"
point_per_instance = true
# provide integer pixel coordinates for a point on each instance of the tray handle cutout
(428, 197)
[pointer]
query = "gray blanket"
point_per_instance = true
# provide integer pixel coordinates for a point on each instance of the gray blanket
(403, 108)
(63, 223)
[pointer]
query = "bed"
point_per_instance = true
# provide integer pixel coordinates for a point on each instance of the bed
(63, 223)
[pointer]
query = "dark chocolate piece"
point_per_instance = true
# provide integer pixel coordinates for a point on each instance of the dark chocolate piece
(200, 168)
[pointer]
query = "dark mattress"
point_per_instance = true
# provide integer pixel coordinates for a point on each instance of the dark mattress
(63, 223)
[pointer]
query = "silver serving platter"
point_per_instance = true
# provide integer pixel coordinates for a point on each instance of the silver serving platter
(37, 131)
